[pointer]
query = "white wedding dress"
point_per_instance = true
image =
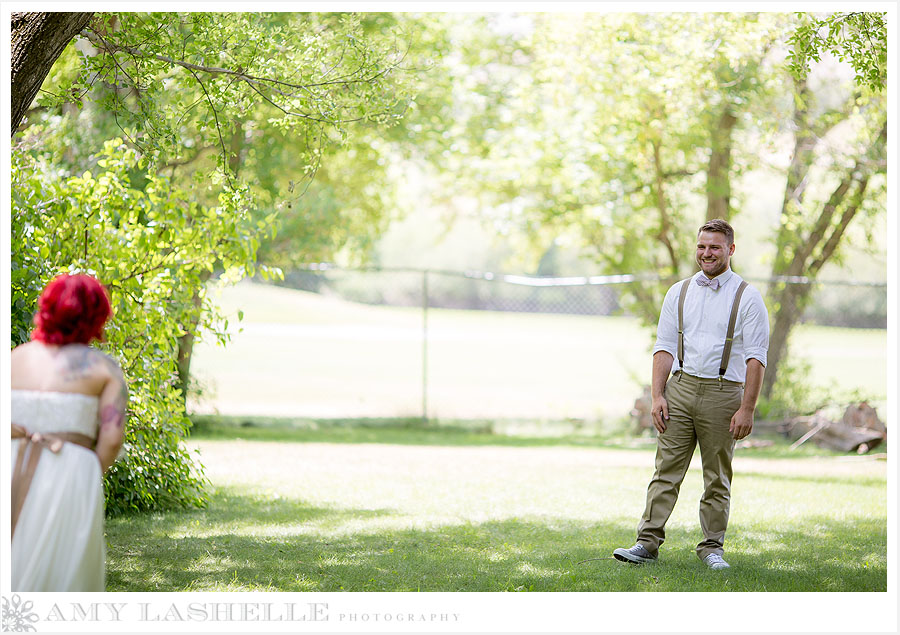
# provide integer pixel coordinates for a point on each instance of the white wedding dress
(58, 543)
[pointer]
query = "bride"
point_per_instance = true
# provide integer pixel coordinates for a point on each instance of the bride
(68, 419)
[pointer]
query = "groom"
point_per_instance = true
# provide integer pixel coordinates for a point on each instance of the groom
(717, 328)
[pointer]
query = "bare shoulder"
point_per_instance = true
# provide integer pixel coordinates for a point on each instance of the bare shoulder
(112, 366)
(17, 353)
(81, 360)
(115, 376)
(28, 354)
(110, 362)
(22, 350)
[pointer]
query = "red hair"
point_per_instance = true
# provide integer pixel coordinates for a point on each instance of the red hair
(71, 309)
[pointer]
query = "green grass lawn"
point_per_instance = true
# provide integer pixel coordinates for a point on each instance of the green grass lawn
(330, 508)
(303, 354)
(524, 481)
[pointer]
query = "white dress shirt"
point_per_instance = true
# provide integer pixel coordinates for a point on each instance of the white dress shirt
(706, 315)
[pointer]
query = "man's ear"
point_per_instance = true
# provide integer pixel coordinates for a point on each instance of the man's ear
(731, 250)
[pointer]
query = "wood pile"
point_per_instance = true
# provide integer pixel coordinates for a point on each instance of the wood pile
(859, 430)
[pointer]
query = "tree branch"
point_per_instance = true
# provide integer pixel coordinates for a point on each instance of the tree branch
(674, 173)
(97, 39)
(289, 112)
(798, 265)
(218, 129)
(665, 224)
(180, 163)
(254, 82)
(836, 235)
(858, 174)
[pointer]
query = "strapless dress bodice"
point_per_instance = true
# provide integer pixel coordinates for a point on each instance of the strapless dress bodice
(47, 412)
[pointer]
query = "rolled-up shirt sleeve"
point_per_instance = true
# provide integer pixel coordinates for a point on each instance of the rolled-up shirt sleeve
(667, 328)
(755, 327)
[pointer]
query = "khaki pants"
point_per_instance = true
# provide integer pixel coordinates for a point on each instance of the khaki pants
(700, 410)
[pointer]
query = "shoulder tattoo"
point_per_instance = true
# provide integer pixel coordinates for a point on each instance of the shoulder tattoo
(79, 360)
(115, 412)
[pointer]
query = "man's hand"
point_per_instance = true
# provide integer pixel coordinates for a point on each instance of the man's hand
(659, 407)
(659, 411)
(741, 423)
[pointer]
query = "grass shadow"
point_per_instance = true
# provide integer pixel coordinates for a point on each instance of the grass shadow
(254, 543)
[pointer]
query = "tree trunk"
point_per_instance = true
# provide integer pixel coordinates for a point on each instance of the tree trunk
(811, 252)
(795, 187)
(665, 223)
(236, 147)
(718, 178)
(36, 41)
(186, 341)
(789, 304)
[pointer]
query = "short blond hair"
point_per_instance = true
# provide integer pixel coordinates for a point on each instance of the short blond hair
(720, 226)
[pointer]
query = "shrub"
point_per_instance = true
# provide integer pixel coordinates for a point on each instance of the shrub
(153, 248)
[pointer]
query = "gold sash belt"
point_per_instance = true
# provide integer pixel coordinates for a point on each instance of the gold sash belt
(28, 456)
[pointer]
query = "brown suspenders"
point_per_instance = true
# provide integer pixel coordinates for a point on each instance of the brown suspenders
(729, 336)
(684, 286)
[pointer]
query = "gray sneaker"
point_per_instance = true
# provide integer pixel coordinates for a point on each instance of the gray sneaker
(636, 555)
(715, 562)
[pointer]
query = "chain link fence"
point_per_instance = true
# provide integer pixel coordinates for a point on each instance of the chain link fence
(839, 303)
(378, 343)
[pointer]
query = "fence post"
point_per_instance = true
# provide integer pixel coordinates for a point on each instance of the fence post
(425, 345)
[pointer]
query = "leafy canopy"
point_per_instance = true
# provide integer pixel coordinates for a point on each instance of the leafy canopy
(857, 38)
(143, 170)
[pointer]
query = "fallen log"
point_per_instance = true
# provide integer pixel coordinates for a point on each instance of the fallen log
(766, 426)
(862, 415)
(820, 425)
(858, 431)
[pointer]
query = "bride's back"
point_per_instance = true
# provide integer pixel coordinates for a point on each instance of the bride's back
(75, 368)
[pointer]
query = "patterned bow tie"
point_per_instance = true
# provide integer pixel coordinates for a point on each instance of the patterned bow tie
(713, 284)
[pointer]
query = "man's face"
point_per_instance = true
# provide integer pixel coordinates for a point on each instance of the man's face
(713, 253)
